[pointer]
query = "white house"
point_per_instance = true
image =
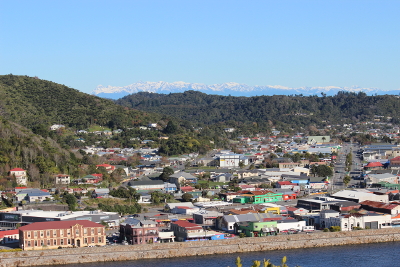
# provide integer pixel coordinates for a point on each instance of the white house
(20, 176)
(369, 220)
(55, 127)
(63, 179)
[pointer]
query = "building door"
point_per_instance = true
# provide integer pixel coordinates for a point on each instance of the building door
(78, 242)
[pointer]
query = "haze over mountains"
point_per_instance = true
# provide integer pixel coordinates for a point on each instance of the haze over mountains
(231, 88)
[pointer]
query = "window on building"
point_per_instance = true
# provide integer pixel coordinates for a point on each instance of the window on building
(42, 243)
(345, 225)
(48, 233)
(99, 239)
(77, 231)
(61, 232)
(35, 234)
(99, 230)
(92, 239)
(85, 231)
(29, 243)
(35, 243)
(92, 231)
(48, 242)
(55, 242)
(69, 241)
(62, 241)
(68, 232)
(41, 233)
(86, 240)
(28, 234)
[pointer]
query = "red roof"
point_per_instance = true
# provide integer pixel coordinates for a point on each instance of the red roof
(379, 205)
(58, 225)
(374, 164)
(286, 183)
(183, 207)
(188, 225)
(17, 170)
(8, 232)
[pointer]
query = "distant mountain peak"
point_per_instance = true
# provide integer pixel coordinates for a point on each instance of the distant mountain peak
(229, 88)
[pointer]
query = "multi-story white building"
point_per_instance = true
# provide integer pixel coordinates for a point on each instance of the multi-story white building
(20, 176)
(63, 179)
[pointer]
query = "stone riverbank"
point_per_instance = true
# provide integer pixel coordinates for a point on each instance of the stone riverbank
(183, 249)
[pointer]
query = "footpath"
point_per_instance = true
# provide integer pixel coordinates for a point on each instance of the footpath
(195, 248)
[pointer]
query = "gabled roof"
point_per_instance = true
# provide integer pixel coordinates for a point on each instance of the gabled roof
(17, 170)
(8, 232)
(58, 225)
(374, 164)
(188, 225)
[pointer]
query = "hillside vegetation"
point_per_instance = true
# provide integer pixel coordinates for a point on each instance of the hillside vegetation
(19, 147)
(278, 110)
(31, 101)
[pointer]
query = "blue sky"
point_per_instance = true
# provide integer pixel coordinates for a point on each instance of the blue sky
(84, 43)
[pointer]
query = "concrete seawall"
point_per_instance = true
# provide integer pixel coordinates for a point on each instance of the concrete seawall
(168, 250)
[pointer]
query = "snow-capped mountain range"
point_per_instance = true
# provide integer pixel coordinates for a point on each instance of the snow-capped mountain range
(231, 88)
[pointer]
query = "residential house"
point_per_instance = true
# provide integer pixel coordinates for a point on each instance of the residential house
(257, 197)
(182, 177)
(373, 166)
(33, 195)
(206, 217)
(9, 236)
(51, 235)
(147, 184)
(20, 176)
(62, 179)
(395, 162)
(55, 127)
(186, 231)
(257, 228)
(109, 168)
(223, 178)
(227, 222)
(136, 231)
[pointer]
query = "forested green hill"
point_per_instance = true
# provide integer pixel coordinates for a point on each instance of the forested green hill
(293, 111)
(41, 157)
(31, 101)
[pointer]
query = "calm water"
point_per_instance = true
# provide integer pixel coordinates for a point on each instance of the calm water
(367, 255)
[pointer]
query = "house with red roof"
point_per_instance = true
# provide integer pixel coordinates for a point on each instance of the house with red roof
(373, 166)
(56, 234)
(9, 236)
(395, 162)
(20, 176)
(109, 168)
(187, 231)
